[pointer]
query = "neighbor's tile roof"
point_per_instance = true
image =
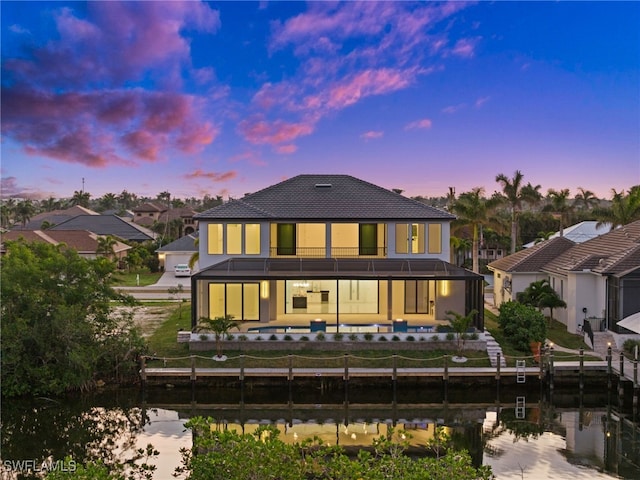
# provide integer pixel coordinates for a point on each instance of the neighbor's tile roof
(54, 217)
(325, 197)
(183, 244)
(535, 258)
(80, 240)
(611, 253)
(106, 225)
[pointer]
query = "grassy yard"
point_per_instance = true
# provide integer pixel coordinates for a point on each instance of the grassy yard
(163, 344)
(129, 279)
(557, 333)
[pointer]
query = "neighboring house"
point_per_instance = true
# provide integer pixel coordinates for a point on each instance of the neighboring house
(334, 248)
(179, 251)
(599, 279)
(107, 225)
(513, 273)
(580, 232)
(149, 213)
(84, 242)
(54, 217)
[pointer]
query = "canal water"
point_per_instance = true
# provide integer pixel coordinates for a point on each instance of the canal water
(521, 433)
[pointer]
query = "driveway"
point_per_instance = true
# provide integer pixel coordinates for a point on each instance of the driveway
(158, 291)
(168, 279)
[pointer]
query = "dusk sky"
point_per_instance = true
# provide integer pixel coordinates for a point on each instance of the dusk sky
(226, 98)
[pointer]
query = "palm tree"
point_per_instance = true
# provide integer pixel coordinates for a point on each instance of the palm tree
(106, 246)
(220, 326)
(108, 201)
(559, 205)
(127, 200)
(474, 210)
(196, 255)
(516, 195)
(50, 204)
(541, 295)
(24, 211)
(81, 198)
(585, 199)
(460, 324)
(624, 209)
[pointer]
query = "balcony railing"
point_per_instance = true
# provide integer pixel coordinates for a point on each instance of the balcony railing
(321, 252)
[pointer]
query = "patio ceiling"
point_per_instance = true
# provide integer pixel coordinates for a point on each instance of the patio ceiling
(285, 268)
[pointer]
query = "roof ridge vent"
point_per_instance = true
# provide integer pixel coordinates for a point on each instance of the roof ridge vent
(323, 185)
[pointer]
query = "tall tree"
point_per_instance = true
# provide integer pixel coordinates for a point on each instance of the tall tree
(517, 194)
(474, 211)
(585, 199)
(624, 208)
(220, 326)
(127, 200)
(24, 211)
(559, 205)
(108, 201)
(106, 245)
(81, 198)
(60, 332)
(50, 204)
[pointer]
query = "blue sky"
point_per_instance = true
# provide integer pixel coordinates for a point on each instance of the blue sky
(225, 98)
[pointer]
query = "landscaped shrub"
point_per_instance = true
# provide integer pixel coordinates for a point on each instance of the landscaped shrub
(395, 338)
(258, 338)
(435, 338)
(451, 336)
(243, 338)
(273, 337)
(230, 337)
(338, 337)
(474, 336)
(204, 337)
(382, 338)
(421, 339)
(321, 337)
(288, 338)
(353, 337)
(368, 337)
(304, 338)
(411, 338)
(522, 324)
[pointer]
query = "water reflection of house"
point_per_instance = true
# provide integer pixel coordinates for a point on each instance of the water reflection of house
(331, 247)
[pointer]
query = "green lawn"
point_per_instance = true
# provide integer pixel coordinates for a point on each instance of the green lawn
(129, 279)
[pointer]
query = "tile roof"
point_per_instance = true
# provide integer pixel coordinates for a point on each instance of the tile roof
(183, 244)
(598, 253)
(55, 217)
(535, 258)
(106, 225)
(325, 197)
(80, 240)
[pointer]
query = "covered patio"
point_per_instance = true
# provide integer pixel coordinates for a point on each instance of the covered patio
(336, 294)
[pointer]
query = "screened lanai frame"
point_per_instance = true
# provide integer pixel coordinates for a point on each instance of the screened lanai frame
(261, 271)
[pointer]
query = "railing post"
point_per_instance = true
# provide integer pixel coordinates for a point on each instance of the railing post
(193, 369)
(581, 369)
(621, 364)
(143, 370)
(498, 362)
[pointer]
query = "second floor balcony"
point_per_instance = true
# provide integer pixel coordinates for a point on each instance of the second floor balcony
(323, 252)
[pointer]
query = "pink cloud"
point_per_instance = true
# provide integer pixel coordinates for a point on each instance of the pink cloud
(74, 98)
(213, 176)
(453, 108)
(465, 47)
(262, 132)
(424, 123)
(366, 83)
(481, 101)
(371, 134)
(286, 149)
(91, 128)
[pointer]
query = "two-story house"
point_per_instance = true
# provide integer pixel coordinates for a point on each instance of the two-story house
(330, 248)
